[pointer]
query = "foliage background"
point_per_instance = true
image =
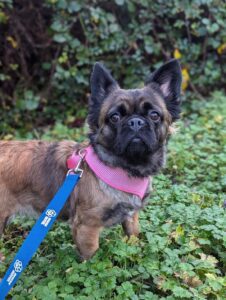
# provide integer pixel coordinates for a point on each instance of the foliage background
(48, 48)
(47, 51)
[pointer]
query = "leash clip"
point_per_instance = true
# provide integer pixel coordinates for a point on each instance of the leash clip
(77, 170)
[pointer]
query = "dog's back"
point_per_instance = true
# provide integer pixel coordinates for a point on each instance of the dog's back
(30, 174)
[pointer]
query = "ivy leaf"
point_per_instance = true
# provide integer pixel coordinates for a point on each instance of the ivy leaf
(74, 6)
(120, 2)
(59, 38)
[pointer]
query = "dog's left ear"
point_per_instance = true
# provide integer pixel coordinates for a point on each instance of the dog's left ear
(168, 79)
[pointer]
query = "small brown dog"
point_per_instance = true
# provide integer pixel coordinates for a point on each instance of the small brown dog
(128, 130)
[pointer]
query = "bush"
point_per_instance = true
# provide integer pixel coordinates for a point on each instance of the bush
(50, 46)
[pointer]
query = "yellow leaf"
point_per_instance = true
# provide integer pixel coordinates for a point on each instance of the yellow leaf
(218, 119)
(177, 54)
(133, 240)
(209, 258)
(210, 276)
(221, 49)
(8, 137)
(13, 42)
(3, 17)
(178, 232)
(186, 78)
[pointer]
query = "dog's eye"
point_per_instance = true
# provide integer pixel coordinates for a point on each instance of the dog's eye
(154, 115)
(115, 118)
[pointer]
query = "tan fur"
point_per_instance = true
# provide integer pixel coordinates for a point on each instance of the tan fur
(173, 129)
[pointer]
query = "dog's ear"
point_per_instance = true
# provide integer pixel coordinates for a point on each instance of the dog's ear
(168, 79)
(102, 84)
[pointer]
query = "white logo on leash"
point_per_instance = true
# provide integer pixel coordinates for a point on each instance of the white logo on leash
(50, 213)
(18, 267)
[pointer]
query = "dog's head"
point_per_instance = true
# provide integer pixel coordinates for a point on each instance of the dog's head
(129, 128)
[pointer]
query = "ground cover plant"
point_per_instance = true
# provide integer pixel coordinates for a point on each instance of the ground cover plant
(181, 251)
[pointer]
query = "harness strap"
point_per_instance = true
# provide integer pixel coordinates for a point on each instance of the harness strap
(115, 177)
(38, 233)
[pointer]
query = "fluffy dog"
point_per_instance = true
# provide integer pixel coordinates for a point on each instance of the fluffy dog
(129, 130)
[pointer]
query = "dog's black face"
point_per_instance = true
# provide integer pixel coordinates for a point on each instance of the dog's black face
(129, 128)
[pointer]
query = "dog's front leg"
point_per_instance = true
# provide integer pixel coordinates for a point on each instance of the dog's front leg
(86, 238)
(7, 206)
(131, 225)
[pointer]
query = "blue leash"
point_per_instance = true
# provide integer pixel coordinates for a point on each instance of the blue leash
(39, 231)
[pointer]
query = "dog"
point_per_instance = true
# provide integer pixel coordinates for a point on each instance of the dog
(129, 130)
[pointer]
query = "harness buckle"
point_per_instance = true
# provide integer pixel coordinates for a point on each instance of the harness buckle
(77, 170)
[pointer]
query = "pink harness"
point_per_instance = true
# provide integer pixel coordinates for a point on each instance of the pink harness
(115, 177)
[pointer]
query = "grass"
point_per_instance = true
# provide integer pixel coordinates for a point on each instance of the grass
(181, 251)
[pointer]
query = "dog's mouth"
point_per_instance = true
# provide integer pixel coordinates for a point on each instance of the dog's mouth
(136, 147)
(140, 141)
(136, 140)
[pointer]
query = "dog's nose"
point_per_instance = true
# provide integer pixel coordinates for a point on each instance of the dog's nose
(136, 124)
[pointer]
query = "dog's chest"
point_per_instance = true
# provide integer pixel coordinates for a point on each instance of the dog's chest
(118, 196)
(121, 205)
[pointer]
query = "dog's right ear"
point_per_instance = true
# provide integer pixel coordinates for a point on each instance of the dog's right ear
(102, 83)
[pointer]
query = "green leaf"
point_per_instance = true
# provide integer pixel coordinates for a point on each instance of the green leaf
(74, 6)
(120, 2)
(181, 292)
(59, 38)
